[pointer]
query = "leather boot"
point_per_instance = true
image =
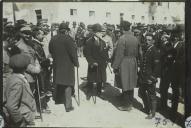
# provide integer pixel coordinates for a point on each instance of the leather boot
(153, 111)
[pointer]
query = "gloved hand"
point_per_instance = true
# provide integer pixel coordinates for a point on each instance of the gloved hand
(116, 71)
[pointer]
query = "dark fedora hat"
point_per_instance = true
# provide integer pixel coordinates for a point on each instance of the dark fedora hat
(64, 26)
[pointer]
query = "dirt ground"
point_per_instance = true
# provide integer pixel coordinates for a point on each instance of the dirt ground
(104, 113)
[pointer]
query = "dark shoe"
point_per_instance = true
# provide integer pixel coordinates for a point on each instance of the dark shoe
(69, 109)
(145, 110)
(46, 111)
(88, 97)
(101, 96)
(150, 116)
(31, 123)
(125, 108)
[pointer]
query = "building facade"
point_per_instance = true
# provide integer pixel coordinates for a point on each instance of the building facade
(99, 12)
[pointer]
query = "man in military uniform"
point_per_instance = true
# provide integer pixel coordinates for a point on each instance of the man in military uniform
(44, 75)
(26, 46)
(148, 77)
(125, 64)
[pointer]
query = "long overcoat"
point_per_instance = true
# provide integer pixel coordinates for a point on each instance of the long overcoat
(64, 54)
(125, 60)
(96, 53)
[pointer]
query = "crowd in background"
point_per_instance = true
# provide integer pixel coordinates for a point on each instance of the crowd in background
(27, 69)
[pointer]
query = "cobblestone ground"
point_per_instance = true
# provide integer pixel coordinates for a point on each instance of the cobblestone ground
(102, 114)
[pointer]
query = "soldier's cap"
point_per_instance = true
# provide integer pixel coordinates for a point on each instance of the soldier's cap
(149, 34)
(21, 21)
(97, 28)
(19, 61)
(82, 25)
(64, 26)
(125, 24)
(89, 26)
(110, 27)
(166, 36)
(136, 30)
(26, 30)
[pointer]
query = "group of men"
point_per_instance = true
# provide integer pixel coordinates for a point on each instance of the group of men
(141, 56)
(27, 73)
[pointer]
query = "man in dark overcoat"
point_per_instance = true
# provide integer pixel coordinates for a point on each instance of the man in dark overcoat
(97, 58)
(125, 64)
(64, 54)
(178, 66)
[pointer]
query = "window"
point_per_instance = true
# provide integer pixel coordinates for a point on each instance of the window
(159, 3)
(133, 17)
(38, 14)
(142, 17)
(143, 2)
(153, 18)
(153, 3)
(165, 18)
(108, 14)
(91, 13)
(73, 12)
(121, 16)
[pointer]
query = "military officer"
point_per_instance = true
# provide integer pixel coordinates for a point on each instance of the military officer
(125, 64)
(148, 76)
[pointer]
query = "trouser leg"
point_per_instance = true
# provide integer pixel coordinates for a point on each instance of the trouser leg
(68, 98)
(99, 87)
(144, 96)
(164, 85)
(153, 99)
(131, 94)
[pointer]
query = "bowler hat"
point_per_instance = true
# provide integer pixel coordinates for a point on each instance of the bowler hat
(19, 61)
(97, 28)
(64, 26)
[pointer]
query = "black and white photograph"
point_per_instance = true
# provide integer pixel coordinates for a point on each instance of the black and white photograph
(115, 64)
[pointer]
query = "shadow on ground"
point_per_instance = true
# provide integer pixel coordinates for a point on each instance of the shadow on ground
(112, 95)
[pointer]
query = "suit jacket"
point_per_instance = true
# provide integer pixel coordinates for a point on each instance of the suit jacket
(150, 63)
(64, 54)
(20, 102)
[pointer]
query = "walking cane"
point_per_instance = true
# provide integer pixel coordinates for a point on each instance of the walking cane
(94, 98)
(78, 87)
(38, 91)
